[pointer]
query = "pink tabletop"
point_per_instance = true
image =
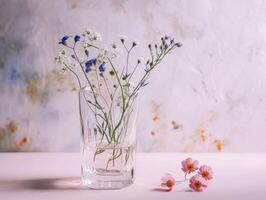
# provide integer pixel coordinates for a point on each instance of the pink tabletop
(56, 176)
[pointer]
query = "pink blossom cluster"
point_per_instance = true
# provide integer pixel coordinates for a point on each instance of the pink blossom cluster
(198, 182)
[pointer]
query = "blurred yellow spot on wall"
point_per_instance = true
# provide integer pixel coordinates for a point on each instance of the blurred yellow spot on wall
(8, 128)
(202, 134)
(40, 88)
(176, 125)
(33, 89)
(23, 141)
(12, 127)
(155, 118)
(218, 144)
(152, 133)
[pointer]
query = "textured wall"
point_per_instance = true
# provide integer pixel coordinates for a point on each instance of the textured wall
(209, 96)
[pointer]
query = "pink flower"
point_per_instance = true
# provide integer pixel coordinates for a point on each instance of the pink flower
(206, 172)
(189, 165)
(168, 182)
(197, 183)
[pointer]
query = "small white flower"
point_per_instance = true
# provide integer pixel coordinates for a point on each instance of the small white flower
(87, 32)
(58, 59)
(98, 36)
(102, 56)
(62, 59)
(89, 37)
(115, 51)
(95, 37)
(127, 89)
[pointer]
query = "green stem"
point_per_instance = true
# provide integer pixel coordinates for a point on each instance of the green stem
(123, 100)
(75, 74)
(185, 179)
(100, 92)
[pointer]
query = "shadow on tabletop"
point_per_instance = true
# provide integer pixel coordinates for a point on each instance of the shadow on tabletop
(164, 190)
(43, 184)
(66, 183)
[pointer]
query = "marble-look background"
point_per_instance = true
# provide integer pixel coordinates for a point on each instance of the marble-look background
(208, 96)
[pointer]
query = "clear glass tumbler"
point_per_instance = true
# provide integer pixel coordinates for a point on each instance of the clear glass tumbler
(108, 141)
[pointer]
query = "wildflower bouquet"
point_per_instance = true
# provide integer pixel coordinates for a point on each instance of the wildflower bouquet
(108, 95)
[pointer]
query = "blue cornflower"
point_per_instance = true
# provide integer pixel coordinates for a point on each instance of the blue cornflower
(89, 63)
(77, 38)
(94, 60)
(64, 39)
(88, 69)
(102, 67)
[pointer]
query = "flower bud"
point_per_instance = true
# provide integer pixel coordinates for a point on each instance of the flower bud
(178, 44)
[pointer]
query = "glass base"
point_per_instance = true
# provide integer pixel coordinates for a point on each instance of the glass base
(106, 185)
(108, 166)
(103, 179)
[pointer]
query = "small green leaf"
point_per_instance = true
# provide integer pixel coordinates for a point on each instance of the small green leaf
(144, 84)
(99, 129)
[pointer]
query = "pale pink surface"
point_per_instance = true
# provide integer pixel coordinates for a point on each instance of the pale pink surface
(189, 165)
(206, 172)
(167, 182)
(55, 176)
(197, 183)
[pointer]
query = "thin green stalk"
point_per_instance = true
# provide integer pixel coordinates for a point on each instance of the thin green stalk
(111, 104)
(123, 98)
(131, 74)
(100, 92)
(75, 74)
(91, 87)
(97, 105)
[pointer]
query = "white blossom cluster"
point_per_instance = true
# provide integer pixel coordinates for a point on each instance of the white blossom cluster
(89, 37)
(64, 60)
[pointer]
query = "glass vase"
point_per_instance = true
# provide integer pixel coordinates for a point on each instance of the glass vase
(108, 142)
